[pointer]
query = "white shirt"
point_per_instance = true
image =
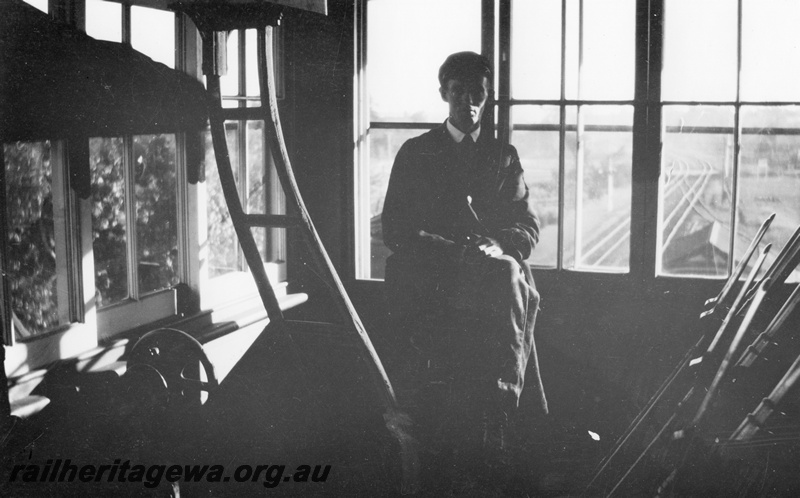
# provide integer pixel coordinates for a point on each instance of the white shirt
(459, 135)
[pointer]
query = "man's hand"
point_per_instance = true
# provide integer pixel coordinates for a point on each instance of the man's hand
(474, 246)
(483, 247)
(435, 238)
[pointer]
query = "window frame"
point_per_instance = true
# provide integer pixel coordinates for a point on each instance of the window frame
(75, 272)
(496, 45)
(737, 131)
(139, 307)
(87, 325)
(240, 282)
(506, 125)
(69, 232)
(196, 297)
(646, 131)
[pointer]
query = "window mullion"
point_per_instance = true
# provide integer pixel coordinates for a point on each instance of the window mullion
(184, 62)
(562, 143)
(737, 134)
(488, 32)
(126, 23)
(129, 172)
(504, 73)
(5, 290)
(181, 208)
(241, 136)
(61, 227)
(579, 148)
(562, 140)
(361, 233)
(72, 226)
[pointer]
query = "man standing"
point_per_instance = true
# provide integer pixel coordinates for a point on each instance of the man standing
(458, 221)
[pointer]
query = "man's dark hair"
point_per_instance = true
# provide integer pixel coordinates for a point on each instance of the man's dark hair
(462, 65)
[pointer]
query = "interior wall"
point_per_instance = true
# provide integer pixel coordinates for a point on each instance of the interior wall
(319, 67)
(602, 339)
(317, 115)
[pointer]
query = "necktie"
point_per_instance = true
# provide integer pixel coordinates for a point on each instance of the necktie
(467, 147)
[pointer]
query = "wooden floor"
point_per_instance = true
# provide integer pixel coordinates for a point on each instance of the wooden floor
(309, 401)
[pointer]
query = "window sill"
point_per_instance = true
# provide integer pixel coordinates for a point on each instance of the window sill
(222, 291)
(212, 328)
(128, 315)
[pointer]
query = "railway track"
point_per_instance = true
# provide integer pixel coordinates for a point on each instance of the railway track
(682, 195)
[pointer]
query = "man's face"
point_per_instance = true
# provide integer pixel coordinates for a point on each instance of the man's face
(466, 98)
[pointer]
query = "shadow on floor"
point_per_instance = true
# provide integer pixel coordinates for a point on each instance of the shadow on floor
(305, 400)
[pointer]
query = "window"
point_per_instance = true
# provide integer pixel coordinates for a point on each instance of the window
(134, 216)
(569, 115)
(135, 188)
(571, 119)
(37, 229)
(404, 98)
(92, 268)
(731, 129)
(146, 243)
(257, 181)
(572, 78)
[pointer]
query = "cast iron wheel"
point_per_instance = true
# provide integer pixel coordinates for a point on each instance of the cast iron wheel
(166, 364)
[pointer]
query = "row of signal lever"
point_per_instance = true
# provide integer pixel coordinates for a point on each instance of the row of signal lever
(709, 427)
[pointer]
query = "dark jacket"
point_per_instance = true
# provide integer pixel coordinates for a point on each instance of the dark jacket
(439, 192)
(429, 188)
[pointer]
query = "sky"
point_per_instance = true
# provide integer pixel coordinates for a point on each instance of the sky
(409, 39)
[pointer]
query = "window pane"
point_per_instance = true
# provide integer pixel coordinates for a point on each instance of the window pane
(700, 50)
(153, 34)
(223, 254)
(39, 4)
(383, 147)
(597, 218)
(536, 114)
(607, 58)
(257, 174)
(32, 265)
(251, 62)
(104, 20)
(109, 226)
(261, 194)
(229, 82)
(536, 49)
(402, 76)
(769, 173)
(156, 211)
(258, 181)
(572, 49)
(770, 50)
(538, 144)
(696, 185)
